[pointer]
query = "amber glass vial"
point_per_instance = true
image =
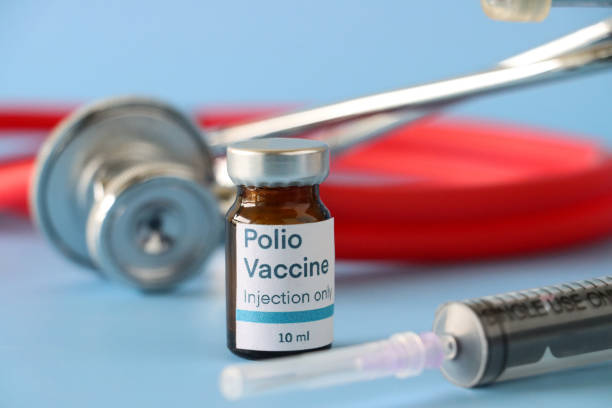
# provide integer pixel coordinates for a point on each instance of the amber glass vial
(279, 250)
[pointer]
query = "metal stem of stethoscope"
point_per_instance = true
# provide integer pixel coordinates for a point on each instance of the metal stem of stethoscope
(132, 188)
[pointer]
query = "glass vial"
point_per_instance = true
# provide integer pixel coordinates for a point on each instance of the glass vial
(279, 250)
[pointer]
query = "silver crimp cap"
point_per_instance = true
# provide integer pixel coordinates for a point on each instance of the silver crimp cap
(278, 162)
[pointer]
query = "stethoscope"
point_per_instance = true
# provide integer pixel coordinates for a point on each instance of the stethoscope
(132, 188)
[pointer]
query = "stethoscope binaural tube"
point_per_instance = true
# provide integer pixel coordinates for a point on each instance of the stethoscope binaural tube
(586, 50)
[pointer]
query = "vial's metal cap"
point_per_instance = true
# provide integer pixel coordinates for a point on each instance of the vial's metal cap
(278, 162)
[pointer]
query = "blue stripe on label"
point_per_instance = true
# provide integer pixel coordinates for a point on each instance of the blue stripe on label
(285, 317)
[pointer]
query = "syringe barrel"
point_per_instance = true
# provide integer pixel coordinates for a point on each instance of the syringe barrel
(518, 334)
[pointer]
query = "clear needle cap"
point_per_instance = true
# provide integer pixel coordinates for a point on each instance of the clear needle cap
(402, 355)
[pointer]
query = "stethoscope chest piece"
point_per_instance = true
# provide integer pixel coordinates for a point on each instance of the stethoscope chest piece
(123, 186)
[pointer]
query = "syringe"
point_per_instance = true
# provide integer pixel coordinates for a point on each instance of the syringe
(474, 342)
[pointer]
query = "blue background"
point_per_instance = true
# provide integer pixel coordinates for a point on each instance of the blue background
(68, 339)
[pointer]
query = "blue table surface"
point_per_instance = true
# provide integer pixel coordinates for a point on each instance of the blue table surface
(69, 339)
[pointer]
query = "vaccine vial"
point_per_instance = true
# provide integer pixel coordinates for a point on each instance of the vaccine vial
(279, 250)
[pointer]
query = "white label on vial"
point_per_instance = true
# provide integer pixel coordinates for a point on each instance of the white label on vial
(284, 286)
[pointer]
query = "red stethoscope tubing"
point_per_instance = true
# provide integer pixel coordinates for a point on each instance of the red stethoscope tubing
(442, 190)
